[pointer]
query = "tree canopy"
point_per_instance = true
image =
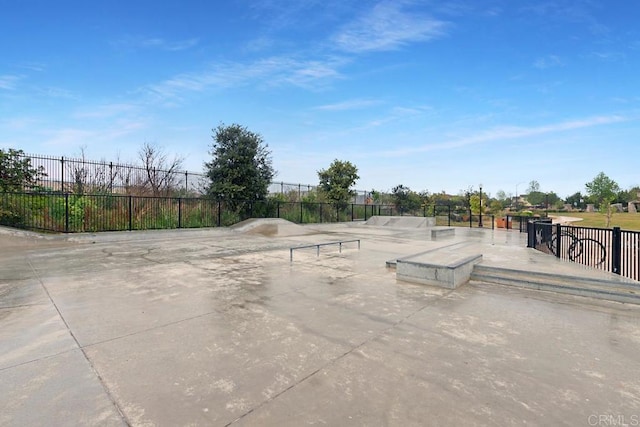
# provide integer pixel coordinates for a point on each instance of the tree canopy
(16, 171)
(337, 180)
(603, 190)
(406, 200)
(241, 168)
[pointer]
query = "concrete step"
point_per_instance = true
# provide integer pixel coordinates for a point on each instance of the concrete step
(613, 288)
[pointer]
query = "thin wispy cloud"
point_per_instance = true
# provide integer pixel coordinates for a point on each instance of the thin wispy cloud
(18, 123)
(274, 71)
(548, 61)
(608, 56)
(137, 42)
(55, 92)
(32, 66)
(67, 137)
(73, 137)
(388, 26)
(9, 81)
(502, 133)
(274, 16)
(352, 104)
(105, 111)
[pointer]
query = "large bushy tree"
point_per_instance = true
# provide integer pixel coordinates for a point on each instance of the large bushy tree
(603, 190)
(16, 171)
(241, 168)
(337, 180)
(405, 199)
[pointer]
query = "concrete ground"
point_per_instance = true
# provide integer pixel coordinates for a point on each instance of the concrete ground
(218, 327)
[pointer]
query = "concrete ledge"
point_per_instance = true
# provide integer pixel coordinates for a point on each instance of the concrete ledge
(445, 275)
(612, 289)
(442, 232)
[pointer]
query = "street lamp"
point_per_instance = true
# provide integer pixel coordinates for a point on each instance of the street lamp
(480, 221)
(546, 204)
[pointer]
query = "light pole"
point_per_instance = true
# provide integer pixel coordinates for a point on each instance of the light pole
(480, 221)
(546, 204)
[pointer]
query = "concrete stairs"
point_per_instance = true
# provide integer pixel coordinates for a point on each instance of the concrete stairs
(612, 288)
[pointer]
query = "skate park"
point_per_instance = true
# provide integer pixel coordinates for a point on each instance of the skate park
(274, 323)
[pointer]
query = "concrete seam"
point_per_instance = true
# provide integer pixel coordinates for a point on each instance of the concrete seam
(93, 344)
(333, 362)
(49, 356)
(84, 354)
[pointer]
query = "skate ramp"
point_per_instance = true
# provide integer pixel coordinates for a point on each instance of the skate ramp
(270, 227)
(401, 221)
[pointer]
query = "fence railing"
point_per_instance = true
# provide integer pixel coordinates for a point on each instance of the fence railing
(70, 213)
(613, 250)
(83, 176)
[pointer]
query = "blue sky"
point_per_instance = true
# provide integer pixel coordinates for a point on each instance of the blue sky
(434, 95)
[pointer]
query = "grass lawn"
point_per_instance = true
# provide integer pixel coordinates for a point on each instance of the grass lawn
(626, 221)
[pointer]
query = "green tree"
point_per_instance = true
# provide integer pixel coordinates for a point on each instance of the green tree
(576, 200)
(406, 200)
(603, 190)
(551, 199)
(505, 199)
(536, 198)
(534, 186)
(474, 203)
(336, 182)
(241, 169)
(17, 173)
(495, 206)
(626, 196)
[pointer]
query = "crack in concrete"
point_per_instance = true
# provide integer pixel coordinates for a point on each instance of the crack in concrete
(336, 359)
(93, 368)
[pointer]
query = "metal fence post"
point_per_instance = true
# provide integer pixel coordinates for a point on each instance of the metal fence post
(351, 212)
(470, 218)
(62, 174)
(278, 208)
(558, 240)
(111, 177)
(616, 250)
(66, 212)
(531, 233)
(493, 222)
(449, 206)
(179, 212)
(130, 213)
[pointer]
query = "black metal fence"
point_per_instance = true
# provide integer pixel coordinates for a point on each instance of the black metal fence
(82, 176)
(614, 250)
(70, 213)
